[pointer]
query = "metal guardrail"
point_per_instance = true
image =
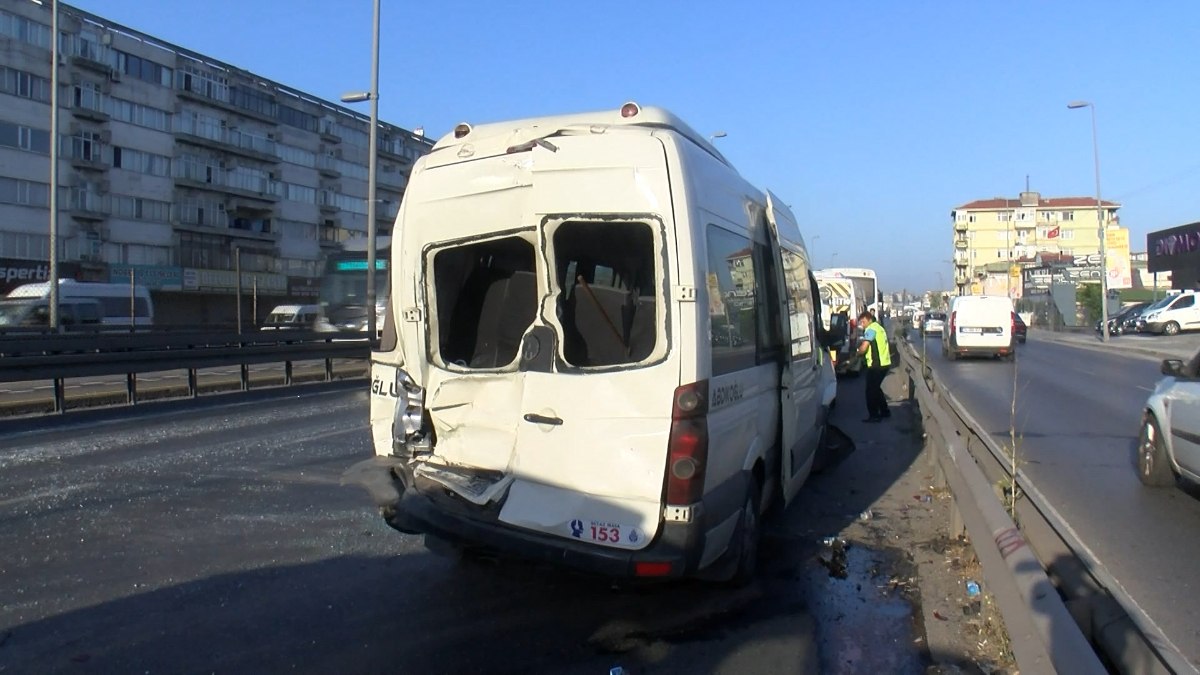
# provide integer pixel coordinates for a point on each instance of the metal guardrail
(57, 357)
(1020, 562)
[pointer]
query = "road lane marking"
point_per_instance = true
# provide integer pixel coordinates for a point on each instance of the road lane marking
(50, 492)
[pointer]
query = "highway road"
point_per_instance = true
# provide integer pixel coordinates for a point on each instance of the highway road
(219, 539)
(1077, 419)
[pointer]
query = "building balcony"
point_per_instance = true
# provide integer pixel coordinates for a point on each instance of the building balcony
(327, 202)
(202, 98)
(1024, 224)
(961, 244)
(960, 226)
(88, 164)
(962, 280)
(328, 135)
(327, 167)
(89, 206)
(84, 112)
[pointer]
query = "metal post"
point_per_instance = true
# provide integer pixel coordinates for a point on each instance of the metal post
(132, 301)
(371, 166)
(254, 304)
(1099, 222)
(237, 270)
(54, 141)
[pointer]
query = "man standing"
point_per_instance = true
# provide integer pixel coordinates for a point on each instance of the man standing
(874, 347)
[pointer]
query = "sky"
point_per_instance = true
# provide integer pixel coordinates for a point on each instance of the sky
(872, 119)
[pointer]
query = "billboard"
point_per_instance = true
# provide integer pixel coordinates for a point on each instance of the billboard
(1175, 248)
(154, 277)
(1120, 273)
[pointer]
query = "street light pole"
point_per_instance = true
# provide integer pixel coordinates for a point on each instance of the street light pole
(372, 161)
(1099, 222)
(54, 165)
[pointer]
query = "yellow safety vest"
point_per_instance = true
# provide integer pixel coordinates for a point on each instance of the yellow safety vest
(878, 352)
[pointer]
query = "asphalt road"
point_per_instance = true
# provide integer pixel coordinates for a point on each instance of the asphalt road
(220, 540)
(1077, 418)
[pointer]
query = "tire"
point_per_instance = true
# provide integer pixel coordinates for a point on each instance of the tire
(1171, 328)
(749, 534)
(1154, 469)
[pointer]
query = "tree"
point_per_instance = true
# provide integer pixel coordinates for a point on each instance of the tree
(1088, 295)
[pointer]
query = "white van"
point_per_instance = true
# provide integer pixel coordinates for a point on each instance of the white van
(598, 352)
(120, 305)
(295, 317)
(1172, 314)
(979, 325)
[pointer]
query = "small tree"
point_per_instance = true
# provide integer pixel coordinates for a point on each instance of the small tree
(1088, 295)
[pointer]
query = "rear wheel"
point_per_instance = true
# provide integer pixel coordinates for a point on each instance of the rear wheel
(749, 533)
(1153, 467)
(1171, 328)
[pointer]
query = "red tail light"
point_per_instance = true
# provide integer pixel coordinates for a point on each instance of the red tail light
(652, 569)
(687, 450)
(1013, 327)
(953, 320)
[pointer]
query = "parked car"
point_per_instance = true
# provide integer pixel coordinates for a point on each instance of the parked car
(935, 323)
(1172, 314)
(1169, 442)
(1118, 320)
(1130, 323)
(1019, 328)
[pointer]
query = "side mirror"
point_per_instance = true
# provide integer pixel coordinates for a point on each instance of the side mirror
(1172, 367)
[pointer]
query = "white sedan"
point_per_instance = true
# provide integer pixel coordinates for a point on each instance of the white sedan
(935, 323)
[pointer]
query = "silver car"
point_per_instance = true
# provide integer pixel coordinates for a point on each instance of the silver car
(1169, 443)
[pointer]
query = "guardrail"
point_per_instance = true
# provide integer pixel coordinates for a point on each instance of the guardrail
(56, 357)
(1033, 567)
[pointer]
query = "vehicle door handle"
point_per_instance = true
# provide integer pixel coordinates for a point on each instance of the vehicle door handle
(542, 419)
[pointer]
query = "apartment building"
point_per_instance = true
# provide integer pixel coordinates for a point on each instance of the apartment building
(997, 241)
(175, 168)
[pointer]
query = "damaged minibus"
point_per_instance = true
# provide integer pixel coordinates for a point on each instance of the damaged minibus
(600, 350)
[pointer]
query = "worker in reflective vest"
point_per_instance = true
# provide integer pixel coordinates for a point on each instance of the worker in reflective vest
(874, 348)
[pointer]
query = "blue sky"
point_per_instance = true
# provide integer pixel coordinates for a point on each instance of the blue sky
(873, 119)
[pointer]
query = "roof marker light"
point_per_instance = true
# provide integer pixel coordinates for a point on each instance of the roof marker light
(462, 130)
(630, 109)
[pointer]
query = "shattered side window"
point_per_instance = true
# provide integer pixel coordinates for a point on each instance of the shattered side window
(486, 295)
(609, 282)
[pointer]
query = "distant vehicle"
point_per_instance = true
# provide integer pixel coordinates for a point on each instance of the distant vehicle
(1118, 320)
(35, 313)
(1172, 314)
(866, 281)
(935, 323)
(120, 304)
(293, 317)
(980, 325)
(1131, 322)
(343, 293)
(1169, 442)
(841, 302)
(1020, 330)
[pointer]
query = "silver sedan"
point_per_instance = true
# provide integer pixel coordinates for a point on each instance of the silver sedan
(1169, 443)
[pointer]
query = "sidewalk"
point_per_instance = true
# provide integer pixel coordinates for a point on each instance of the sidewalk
(1183, 346)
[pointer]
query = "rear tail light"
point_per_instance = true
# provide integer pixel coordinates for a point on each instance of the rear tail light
(687, 449)
(1013, 325)
(652, 569)
(953, 320)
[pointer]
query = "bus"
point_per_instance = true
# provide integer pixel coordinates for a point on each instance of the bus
(343, 292)
(865, 279)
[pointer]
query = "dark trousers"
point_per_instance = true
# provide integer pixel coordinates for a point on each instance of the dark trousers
(876, 401)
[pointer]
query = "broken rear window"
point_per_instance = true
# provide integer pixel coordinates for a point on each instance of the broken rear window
(609, 285)
(486, 299)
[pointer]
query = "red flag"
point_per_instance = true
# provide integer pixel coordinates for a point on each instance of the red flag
(1052, 233)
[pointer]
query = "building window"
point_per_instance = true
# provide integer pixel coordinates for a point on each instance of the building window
(254, 101)
(296, 118)
(141, 162)
(24, 192)
(24, 138)
(25, 85)
(25, 30)
(141, 115)
(88, 95)
(1004, 216)
(210, 85)
(143, 69)
(1068, 215)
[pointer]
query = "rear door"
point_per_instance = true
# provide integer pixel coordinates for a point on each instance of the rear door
(799, 398)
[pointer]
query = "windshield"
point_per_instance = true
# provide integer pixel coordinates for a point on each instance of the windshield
(1161, 303)
(12, 313)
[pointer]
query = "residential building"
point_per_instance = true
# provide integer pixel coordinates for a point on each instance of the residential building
(175, 168)
(998, 241)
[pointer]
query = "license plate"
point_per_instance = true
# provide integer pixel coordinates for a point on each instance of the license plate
(605, 532)
(971, 330)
